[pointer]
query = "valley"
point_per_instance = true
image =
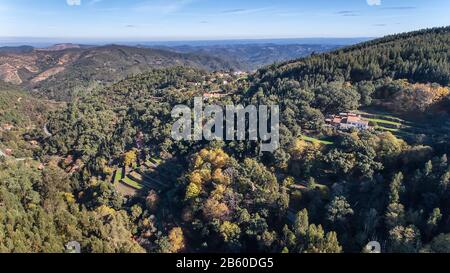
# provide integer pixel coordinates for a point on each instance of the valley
(92, 127)
(251, 57)
(60, 71)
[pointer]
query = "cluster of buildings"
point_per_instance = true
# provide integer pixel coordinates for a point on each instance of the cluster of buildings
(220, 78)
(347, 121)
(71, 165)
(220, 84)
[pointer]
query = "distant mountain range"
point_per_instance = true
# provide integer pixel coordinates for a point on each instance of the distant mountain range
(47, 42)
(57, 71)
(16, 49)
(250, 57)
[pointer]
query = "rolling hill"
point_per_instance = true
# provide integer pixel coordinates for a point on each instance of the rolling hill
(353, 185)
(256, 55)
(325, 190)
(16, 49)
(19, 109)
(420, 56)
(59, 71)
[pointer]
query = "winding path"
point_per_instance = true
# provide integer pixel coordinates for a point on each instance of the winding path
(46, 132)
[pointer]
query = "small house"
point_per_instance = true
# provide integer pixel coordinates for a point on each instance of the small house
(347, 121)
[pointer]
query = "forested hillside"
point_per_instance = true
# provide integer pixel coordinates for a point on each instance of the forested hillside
(420, 56)
(62, 73)
(20, 109)
(38, 209)
(16, 49)
(324, 190)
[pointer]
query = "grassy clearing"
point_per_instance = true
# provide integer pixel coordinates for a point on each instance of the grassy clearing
(132, 183)
(387, 129)
(118, 176)
(155, 161)
(315, 140)
(381, 114)
(389, 122)
(382, 121)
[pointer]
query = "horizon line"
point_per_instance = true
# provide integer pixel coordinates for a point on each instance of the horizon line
(42, 42)
(164, 39)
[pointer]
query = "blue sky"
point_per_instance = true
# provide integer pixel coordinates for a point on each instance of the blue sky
(217, 19)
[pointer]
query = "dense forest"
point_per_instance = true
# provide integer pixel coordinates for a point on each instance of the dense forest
(104, 170)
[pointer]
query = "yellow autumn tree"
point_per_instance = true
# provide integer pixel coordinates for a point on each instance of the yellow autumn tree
(220, 178)
(218, 192)
(193, 190)
(204, 173)
(418, 97)
(214, 209)
(105, 168)
(229, 231)
(303, 149)
(176, 239)
(216, 157)
(220, 159)
(196, 178)
(129, 158)
(389, 145)
(298, 147)
(198, 162)
(104, 210)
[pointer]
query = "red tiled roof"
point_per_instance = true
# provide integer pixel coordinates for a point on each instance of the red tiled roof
(353, 119)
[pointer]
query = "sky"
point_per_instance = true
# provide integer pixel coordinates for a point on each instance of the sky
(217, 19)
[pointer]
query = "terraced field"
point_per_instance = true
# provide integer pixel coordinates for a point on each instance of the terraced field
(146, 177)
(406, 129)
(315, 140)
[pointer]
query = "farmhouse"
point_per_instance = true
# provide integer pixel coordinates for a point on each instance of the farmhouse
(346, 121)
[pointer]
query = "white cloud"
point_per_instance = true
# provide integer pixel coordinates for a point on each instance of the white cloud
(73, 2)
(374, 2)
(245, 11)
